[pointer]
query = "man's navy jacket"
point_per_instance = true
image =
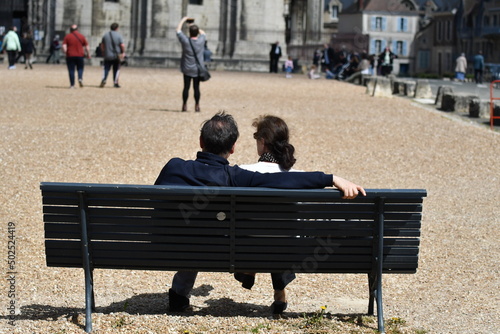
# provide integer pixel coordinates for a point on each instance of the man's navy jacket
(212, 170)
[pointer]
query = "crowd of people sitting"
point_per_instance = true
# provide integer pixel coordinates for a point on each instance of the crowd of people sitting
(340, 64)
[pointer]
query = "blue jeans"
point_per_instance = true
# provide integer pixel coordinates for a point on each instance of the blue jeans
(12, 57)
(115, 63)
(72, 63)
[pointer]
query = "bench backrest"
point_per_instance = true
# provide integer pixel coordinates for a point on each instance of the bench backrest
(230, 229)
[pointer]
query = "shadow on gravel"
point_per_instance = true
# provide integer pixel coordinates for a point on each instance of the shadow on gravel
(157, 303)
(167, 110)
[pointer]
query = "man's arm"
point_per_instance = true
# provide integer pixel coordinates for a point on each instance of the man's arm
(87, 49)
(305, 180)
(350, 190)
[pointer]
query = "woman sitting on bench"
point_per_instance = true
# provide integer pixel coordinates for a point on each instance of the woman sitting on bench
(276, 154)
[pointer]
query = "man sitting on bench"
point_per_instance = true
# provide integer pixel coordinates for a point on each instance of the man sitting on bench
(211, 168)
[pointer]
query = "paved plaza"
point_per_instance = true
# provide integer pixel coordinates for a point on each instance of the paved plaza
(126, 135)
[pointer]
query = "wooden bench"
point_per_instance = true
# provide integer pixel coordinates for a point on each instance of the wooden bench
(224, 229)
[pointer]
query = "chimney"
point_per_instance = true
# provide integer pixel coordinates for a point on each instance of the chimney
(360, 5)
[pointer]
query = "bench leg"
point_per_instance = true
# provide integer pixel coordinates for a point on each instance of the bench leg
(375, 286)
(89, 300)
(380, 312)
(87, 265)
(375, 277)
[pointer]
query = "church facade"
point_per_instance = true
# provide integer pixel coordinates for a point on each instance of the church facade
(239, 32)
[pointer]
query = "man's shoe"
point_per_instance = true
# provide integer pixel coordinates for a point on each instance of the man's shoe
(80, 82)
(246, 280)
(278, 307)
(117, 85)
(176, 302)
(103, 83)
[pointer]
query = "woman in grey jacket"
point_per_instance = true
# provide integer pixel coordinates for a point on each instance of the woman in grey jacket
(192, 47)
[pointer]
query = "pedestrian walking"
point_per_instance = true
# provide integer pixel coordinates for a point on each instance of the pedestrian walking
(55, 51)
(461, 68)
(478, 67)
(12, 46)
(28, 47)
(113, 51)
(76, 47)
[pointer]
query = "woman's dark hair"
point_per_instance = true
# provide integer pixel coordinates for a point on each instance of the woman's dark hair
(219, 133)
(194, 30)
(274, 131)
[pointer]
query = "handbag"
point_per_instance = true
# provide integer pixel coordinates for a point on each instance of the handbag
(203, 73)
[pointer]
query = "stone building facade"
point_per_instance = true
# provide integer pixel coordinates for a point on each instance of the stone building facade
(239, 32)
(385, 24)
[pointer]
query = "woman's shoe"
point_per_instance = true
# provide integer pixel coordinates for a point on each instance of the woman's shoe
(197, 108)
(184, 107)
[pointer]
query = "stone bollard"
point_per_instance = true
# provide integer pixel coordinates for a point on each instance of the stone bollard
(423, 90)
(382, 88)
(402, 87)
(479, 108)
(365, 78)
(456, 102)
(370, 85)
(448, 102)
(409, 88)
(441, 91)
(395, 87)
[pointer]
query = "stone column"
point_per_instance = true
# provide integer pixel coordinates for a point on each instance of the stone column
(71, 14)
(98, 18)
(314, 19)
(223, 23)
(159, 24)
(243, 21)
(297, 25)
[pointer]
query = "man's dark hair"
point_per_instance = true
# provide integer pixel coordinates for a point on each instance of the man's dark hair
(219, 134)
(194, 30)
(114, 26)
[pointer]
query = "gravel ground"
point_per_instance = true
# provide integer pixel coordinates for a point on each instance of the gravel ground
(126, 135)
